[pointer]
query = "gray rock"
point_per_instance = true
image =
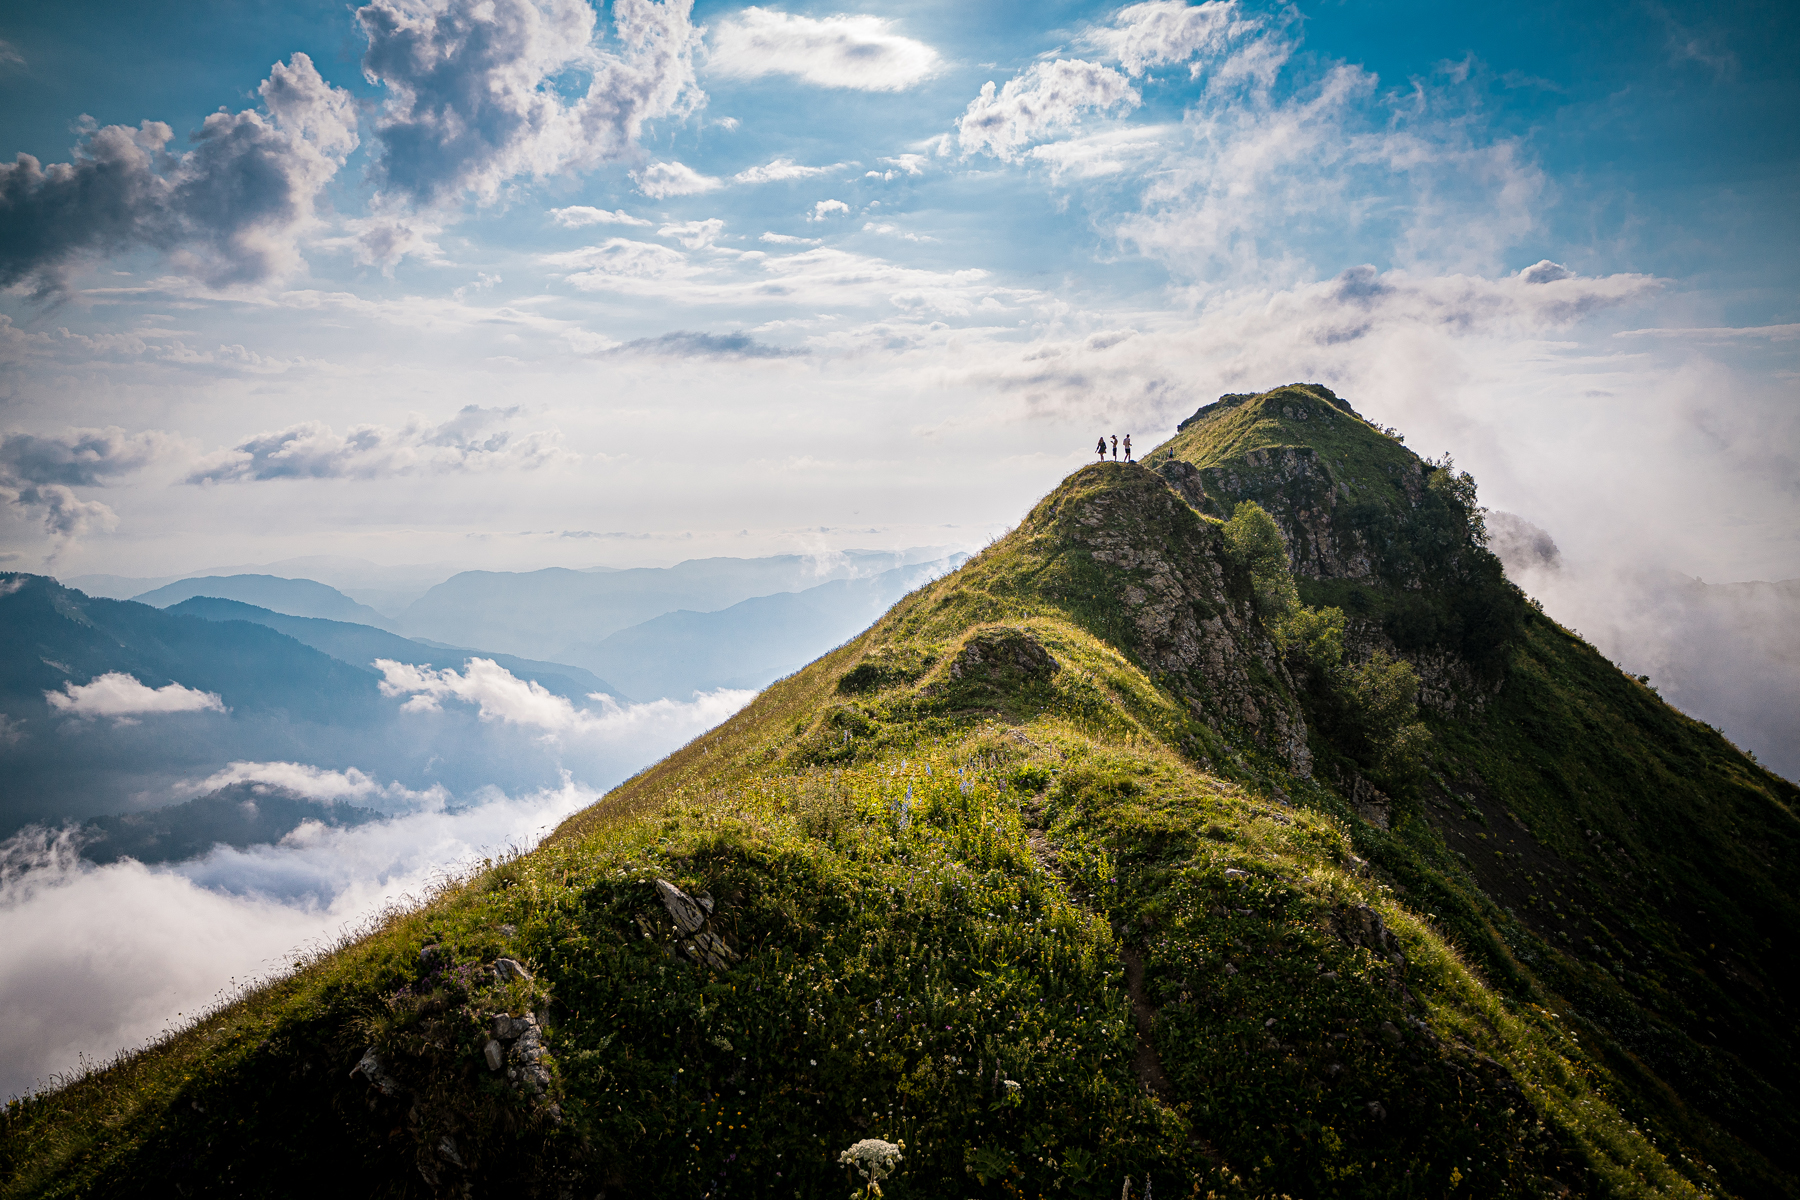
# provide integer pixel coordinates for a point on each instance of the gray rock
(373, 1070)
(495, 1055)
(447, 1147)
(687, 915)
(510, 968)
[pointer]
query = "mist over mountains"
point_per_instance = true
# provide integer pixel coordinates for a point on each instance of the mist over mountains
(1726, 653)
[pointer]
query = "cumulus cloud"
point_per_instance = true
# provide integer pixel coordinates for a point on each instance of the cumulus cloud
(118, 695)
(828, 208)
(475, 438)
(577, 216)
(229, 211)
(686, 344)
(783, 168)
(842, 51)
(471, 87)
(661, 180)
(38, 474)
(1045, 99)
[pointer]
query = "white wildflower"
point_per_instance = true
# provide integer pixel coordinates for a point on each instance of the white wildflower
(874, 1160)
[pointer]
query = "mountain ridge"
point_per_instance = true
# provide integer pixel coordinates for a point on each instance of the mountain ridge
(1121, 851)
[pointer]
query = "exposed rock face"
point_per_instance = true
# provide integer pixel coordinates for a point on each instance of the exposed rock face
(1297, 489)
(1187, 624)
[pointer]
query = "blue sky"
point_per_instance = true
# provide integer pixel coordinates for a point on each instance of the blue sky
(775, 278)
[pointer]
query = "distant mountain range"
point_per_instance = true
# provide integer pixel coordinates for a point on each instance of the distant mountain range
(361, 645)
(295, 597)
(114, 706)
(750, 643)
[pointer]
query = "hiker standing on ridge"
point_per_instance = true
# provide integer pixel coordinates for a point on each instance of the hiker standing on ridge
(1100, 447)
(1128, 447)
(1115, 438)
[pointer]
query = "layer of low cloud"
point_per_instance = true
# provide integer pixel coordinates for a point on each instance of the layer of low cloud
(116, 694)
(230, 211)
(470, 96)
(79, 985)
(1724, 653)
(324, 784)
(842, 51)
(475, 438)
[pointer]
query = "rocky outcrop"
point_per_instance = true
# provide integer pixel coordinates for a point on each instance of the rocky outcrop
(1187, 626)
(683, 928)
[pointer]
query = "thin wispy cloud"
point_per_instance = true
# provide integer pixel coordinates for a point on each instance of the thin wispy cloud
(476, 438)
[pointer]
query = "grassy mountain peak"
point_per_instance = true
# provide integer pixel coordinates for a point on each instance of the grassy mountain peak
(1130, 849)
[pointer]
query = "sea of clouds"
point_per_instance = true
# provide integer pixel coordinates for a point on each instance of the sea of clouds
(95, 960)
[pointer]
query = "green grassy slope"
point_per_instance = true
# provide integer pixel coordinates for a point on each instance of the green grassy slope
(1035, 875)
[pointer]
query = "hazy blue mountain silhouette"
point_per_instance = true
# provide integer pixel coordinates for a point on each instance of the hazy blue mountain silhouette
(361, 645)
(293, 597)
(286, 701)
(750, 643)
(537, 613)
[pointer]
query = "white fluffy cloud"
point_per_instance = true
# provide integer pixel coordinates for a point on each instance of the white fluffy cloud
(470, 102)
(842, 51)
(230, 211)
(576, 216)
(661, 180)
(118, 695)
(1047, 98)
(828, 208)
(474, 438)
